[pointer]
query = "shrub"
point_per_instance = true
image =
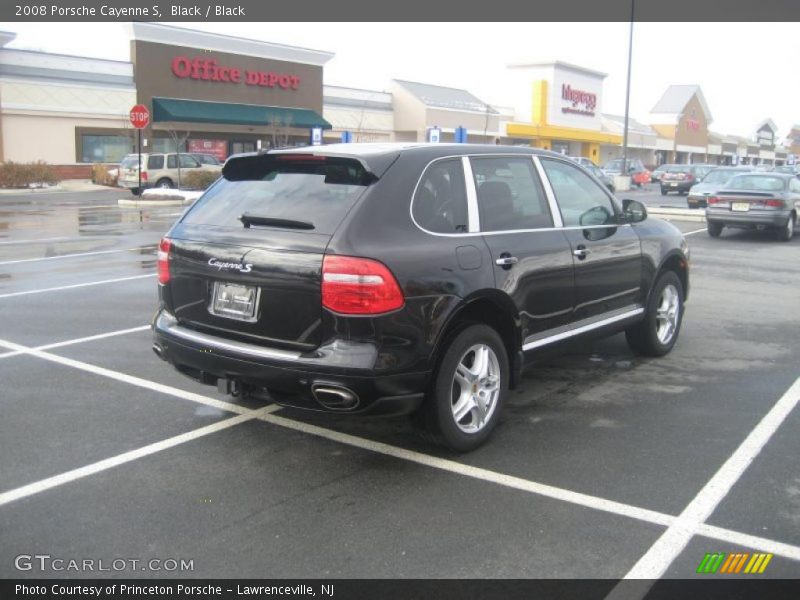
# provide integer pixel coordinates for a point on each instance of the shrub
(101, 175)
(199, 180)
(24, 174)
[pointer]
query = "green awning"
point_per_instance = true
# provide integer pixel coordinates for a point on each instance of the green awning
(227, 113)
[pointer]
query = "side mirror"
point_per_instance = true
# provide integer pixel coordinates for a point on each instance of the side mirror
(597, 215)
(634, 211)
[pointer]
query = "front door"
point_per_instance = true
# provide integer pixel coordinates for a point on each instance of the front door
(606, 254)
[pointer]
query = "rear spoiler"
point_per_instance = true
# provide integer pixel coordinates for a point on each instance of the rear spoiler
(244, 166)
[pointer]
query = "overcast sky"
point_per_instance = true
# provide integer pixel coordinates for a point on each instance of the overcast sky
(748, 71)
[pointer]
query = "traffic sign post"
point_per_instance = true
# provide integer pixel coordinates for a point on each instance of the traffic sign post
(140, 118)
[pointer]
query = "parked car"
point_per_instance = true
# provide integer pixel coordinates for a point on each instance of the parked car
(790, 169)
(680, 178)
(636, 169)
(160, 170)
(607, 180)
(206, 159)
(391, 278)
(756, 201)
(655, 174)
(714, 180)
(583, 161)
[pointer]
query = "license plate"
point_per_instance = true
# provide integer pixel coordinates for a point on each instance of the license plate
(673, 184)
(234, 301)
(740, 206)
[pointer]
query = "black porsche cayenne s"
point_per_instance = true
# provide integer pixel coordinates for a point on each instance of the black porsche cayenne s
(391, 279)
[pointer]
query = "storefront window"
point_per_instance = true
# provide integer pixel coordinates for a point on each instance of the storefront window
(105, 148)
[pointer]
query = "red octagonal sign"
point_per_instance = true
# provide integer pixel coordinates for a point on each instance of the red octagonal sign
(140, 116)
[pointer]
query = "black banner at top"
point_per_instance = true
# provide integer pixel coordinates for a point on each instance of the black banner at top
(408, 10)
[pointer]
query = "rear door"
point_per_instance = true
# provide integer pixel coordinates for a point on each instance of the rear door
(246, 259)
(532, 260)
(606, 254)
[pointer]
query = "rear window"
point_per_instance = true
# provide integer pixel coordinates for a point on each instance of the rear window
(307, 189)
(757, 183)
(130, 162)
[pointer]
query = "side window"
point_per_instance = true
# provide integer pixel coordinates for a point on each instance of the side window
(581, 200)
(172, 161)
(510, 195)
(188, 162)
(440, 203)
(794, 185)
(155, 161)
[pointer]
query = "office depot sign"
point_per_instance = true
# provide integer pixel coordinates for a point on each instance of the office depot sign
(208, 69)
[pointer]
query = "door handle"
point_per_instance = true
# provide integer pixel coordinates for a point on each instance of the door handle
(506, 261)
(581, 252)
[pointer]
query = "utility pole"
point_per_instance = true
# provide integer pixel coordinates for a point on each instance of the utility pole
(627, 98)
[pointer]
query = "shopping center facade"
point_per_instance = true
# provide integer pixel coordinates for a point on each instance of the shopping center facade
(223, 95)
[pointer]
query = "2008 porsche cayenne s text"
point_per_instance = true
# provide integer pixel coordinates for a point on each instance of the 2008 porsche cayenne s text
(419, 278)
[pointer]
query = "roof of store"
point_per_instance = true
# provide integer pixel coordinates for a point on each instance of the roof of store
(437, 96)
(675, 99)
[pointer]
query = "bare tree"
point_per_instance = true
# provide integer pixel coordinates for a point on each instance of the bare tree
(279, 130)
(179, 140)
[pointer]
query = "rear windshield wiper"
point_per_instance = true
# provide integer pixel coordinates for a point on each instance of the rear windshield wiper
(247, 219)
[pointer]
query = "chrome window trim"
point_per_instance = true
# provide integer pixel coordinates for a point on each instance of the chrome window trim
(555, 210)
(583, 329)
(414, 195)
(473, 214)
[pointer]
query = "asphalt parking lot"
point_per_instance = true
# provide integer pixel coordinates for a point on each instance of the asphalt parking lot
(604, 465)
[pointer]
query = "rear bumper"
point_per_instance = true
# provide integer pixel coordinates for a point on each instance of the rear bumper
(677, 186)
(752, 218)
(696, 201)
(289, 378)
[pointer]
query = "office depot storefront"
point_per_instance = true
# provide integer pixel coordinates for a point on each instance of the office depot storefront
(206, 93)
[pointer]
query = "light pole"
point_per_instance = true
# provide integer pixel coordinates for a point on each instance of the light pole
(624, 172)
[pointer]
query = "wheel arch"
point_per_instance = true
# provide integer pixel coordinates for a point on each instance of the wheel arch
(492, 308)
(674, 261)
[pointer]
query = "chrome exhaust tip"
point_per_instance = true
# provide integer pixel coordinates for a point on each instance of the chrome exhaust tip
(334, 397)
(159, 350)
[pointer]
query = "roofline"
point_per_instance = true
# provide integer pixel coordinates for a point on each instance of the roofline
(442, 87)
(557, 63)
(58, 54)
(193, 38)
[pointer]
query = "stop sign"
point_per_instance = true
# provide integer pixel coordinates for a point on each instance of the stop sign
(140, 116)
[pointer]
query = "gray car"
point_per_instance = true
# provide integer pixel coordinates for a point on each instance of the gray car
(756, 201)
(715, 180)
(607, 180)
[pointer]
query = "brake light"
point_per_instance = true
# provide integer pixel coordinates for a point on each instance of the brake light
(144, 175)
(774, 203)
(689, 177)
(163, 260)
(359, 286)
(713, 200)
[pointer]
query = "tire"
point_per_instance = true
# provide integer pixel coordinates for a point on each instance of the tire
(135, 191)
(787, 231)
(165, 183)
(656, 334)
(455, 383)
(664, 192)
(714, 229)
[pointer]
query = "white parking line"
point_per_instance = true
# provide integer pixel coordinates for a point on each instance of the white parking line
(76, 285)
(130, 379)
(90, 338)
(75, 255)
(695, 231)
(556, 493)
(114, 461)
(672, 542)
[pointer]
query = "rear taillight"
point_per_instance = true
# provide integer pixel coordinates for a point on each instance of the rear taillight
(144, 175)
(359, 286)
(163, 260)
(689, 177)
(774, 203)
(713, 200)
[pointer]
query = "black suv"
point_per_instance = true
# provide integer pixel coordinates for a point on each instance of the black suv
(391, 279)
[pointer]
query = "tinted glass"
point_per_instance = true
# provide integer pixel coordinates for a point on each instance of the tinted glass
(172, 161)
(440, 203)
(510, 195)
(315, 191)
(581, 200)
(156, 161)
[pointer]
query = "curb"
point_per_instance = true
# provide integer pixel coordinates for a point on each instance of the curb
(125, 203)
(678, 214)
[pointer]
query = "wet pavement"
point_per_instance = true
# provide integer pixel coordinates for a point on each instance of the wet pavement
(107, 452)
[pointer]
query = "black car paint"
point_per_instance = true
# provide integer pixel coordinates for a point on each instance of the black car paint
(387, 360)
